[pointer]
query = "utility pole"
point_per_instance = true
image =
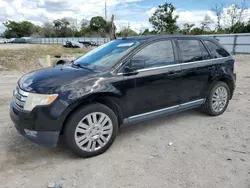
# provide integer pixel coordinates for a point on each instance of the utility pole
(105, 10)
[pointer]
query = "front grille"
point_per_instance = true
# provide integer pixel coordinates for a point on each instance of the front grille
(19, 97)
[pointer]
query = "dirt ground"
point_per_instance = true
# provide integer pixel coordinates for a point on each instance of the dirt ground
(27, 57)
(207, 152)
(16, 46)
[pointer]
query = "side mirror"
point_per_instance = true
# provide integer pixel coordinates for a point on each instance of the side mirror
(135, 65)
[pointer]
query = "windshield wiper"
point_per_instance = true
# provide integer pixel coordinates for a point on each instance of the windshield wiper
(83, 67)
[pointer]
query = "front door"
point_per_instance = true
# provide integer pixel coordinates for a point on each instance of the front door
(157, 85)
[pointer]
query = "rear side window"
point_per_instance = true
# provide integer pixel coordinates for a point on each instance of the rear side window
(216, 51)
(193, 50)
(157, 54)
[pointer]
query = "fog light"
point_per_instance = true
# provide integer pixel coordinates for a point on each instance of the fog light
(30, 133)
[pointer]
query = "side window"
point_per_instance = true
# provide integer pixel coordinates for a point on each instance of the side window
(156, 54)
(193, 50)
(216, 51)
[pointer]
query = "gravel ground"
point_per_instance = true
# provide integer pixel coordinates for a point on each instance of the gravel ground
(206, 151)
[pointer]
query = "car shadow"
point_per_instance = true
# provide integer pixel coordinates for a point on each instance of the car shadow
(158, 122)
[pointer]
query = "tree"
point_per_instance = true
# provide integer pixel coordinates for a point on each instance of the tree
(164, 20)
(196, 31)
(65, 22)
(126, 31)
(205, 24)
(235, 14)
(97, 23)
(241, 27)
(187, 28)
(65, 30)
(84, 23)
(147, 32)
(47, 30)
(57, 24)
(218, 11)
(20, 29)
(62, 29)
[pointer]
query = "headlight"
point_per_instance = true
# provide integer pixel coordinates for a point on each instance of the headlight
(34, 100)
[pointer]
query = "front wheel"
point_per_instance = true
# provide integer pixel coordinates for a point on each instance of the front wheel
(91, 130)
(217, 100)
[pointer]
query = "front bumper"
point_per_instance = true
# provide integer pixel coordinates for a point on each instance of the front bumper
(42, 125)
(43, 138)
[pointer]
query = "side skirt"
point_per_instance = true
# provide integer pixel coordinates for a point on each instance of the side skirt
(164, 111)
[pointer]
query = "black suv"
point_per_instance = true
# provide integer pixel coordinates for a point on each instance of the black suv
(124, 81)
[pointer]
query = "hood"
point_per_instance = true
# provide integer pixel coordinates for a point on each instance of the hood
(46, 79)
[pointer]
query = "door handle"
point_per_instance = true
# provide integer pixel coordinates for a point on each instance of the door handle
(130, 73)
(171, 73)
(211, 68)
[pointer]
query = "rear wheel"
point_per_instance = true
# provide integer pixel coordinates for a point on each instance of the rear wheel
(217, 100)
(91, 130)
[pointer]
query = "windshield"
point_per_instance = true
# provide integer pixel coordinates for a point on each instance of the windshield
(107, 55)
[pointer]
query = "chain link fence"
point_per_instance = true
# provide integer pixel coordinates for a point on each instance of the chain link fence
(98, 41)
(235, 43)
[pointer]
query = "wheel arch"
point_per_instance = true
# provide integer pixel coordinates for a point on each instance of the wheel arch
(108, 99)
(226, 80)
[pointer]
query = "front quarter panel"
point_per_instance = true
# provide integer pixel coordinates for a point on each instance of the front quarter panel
(83, 89)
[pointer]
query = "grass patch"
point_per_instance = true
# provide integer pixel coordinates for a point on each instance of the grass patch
(27, 59)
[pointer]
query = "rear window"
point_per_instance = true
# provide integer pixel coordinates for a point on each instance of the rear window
(216, 51)
(192, 50)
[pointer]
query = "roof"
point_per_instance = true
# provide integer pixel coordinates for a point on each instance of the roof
(151, 37)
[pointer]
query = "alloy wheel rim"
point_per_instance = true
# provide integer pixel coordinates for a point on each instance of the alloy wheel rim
(219, 99)
(93, 132)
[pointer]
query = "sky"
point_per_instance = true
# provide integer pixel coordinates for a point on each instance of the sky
(134, 13)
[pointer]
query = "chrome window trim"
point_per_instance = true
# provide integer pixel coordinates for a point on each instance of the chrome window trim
(174, 65)
(155, 68)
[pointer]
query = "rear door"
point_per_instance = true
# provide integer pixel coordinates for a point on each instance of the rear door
(196, 70)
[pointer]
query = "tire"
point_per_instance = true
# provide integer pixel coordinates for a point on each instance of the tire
(80, 128)
(208, 106)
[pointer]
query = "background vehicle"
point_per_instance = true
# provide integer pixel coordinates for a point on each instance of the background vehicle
(19, 41)
(10, 40)
(124, 81)
(87, 44)
(72, 44)
(3, 40)
(94, 44)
